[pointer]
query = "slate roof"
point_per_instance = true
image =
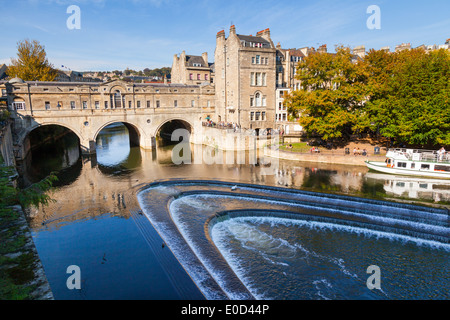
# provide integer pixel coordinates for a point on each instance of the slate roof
(191, 60)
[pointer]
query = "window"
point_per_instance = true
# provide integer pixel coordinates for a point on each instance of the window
(258, 79)
(263, 116)
(425, 167)
(284, 117)
(138, 103)
(191, 76)
(97, 104)
(148, 103)
(258, 99)
(18, 105)
(175, 103)
(198, 76)
(85, 105)
(158, 103)
(257, 116)
(257, 60)
(3, 92)
(253, 60)
(129, 105)
(106, 104)
(401, 164)
(208, 104)
(47, 105)
(206, 77)
(192, 103)
(252, 116)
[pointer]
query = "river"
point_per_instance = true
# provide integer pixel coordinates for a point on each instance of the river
(97, 224)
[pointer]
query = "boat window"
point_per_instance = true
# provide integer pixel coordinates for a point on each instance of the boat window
(401, 164)
(442, 168)
(425, 167)
(413, 165)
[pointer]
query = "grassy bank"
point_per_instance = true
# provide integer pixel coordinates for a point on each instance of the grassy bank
(19, 261)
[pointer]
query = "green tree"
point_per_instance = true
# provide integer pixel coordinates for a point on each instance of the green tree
(410, 95)
(31, 63)
(332, 95)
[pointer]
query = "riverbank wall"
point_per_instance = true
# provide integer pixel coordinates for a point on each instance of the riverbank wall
(6, 145)
(21, 270)
(329, 158)
(230, 139)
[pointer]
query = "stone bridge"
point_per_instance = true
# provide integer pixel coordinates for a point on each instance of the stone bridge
(87, 108)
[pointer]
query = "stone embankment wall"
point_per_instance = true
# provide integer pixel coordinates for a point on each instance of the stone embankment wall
(350, 159)
(6, 145)
(228, 139)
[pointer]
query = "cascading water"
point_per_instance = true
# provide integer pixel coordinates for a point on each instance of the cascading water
(285, 244)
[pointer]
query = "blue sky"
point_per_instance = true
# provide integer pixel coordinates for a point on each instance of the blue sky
(116, 34)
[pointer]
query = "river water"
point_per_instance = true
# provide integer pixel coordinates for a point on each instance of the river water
(97, 224)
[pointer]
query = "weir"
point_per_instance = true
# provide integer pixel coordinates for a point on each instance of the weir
(185, 212)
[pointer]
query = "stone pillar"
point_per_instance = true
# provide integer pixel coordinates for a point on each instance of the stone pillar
(88, 147)
(148, 143)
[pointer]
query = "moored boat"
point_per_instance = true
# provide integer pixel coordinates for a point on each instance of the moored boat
(414, 162)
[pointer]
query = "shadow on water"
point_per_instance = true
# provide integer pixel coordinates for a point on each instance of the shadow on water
(61, 155)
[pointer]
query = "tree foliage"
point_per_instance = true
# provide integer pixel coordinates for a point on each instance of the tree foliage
(330, 101)
(402, 95)
(31, 63)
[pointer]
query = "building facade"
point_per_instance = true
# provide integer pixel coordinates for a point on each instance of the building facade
(245, 80)
(191, 70)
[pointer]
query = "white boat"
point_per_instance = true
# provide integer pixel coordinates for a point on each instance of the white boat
(413, 162)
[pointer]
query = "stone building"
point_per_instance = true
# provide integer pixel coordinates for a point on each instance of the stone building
(191, 70)
(245, 80)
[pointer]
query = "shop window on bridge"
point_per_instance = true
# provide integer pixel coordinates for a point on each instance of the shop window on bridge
(47, 105)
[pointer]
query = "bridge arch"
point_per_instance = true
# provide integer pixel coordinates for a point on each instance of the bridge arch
(40, 125)
(26, 143)
(135, 133)
(168, 126)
